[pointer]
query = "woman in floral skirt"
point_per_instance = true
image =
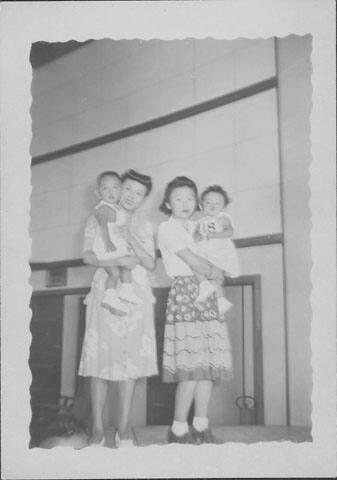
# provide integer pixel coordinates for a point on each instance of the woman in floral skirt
(197, 349)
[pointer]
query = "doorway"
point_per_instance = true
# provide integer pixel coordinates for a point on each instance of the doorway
(238, 401)
(45, 357)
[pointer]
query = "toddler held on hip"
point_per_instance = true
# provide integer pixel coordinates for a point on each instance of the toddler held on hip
(212, 235)
(110, 243)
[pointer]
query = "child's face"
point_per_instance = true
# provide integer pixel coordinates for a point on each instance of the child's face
(182, 202)
(213, 203)
(110, 189)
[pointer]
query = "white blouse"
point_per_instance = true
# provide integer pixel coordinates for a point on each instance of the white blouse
(172, 238)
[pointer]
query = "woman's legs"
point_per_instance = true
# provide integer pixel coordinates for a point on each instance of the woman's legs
(201, 433)
(98, 391)
(126, 390)
(183, 401)
(203, 392)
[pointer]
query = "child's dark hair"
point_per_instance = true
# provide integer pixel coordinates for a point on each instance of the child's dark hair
(216, 189)
(177, 183)
(138, 177)
(107, 173)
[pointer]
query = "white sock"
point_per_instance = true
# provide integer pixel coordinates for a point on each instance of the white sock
(179, 428)
(200, 423)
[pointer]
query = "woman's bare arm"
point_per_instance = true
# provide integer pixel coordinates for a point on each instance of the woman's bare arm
(145, 259)
(127, 261)
(200, 265)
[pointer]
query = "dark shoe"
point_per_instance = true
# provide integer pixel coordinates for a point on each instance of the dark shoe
(206, 436)
(172, 438)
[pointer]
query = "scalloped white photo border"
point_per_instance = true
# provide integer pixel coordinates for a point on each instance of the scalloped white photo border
(21, 24)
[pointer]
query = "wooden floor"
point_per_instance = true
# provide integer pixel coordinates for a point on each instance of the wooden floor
(156, 435)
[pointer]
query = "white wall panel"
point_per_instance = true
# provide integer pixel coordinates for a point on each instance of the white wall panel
(257, 163)
(50, 176)
(255, 116)
(257, 211)
(254, 63)
(144, 104)
(215, 128)
(215, 78)
(176, 57)
(176, 93)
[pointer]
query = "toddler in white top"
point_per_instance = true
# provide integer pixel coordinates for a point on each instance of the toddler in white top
(109, 244)
(213, 234)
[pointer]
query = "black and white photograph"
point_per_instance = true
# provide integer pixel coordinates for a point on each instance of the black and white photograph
(201, 332)
(171, 255)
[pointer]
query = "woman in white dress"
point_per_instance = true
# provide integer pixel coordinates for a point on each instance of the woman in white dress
(120, 348)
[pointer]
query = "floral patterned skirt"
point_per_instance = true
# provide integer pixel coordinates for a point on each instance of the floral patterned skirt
(196, 341)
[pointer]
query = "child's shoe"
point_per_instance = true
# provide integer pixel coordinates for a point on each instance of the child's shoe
(111, 301)
(223, 305)
(206, 289)
(126, 292)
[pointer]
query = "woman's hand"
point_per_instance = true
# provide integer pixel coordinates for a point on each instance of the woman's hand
(217, 275)
(129, 261)
(197, 237)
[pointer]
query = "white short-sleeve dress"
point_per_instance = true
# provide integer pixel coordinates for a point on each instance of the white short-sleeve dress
(116, 347)
(219, 251)
(113, 228)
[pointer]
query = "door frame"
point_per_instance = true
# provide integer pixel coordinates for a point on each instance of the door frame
(255, 282)
(245, 280)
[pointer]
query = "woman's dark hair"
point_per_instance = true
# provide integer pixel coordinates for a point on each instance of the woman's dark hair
(138, 177)
(177, 183)
(216, 189)
(107, 173)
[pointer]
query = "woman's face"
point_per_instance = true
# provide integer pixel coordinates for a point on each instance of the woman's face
(133, 194)
(182, 202)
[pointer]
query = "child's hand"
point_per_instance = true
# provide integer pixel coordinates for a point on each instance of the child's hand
(197, 235)
(110, 247)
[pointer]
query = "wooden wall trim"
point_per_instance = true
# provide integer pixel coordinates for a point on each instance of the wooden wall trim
(217, 102)
(258, 241)
(243, 280)
(262, 240)
(62, 291)
(272, 239)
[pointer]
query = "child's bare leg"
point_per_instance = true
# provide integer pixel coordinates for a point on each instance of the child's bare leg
(125, 275)
(126, 291)
(112, 280)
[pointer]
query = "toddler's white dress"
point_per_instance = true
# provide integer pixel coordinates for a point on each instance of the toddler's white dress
(219, 251)
(113, 229)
